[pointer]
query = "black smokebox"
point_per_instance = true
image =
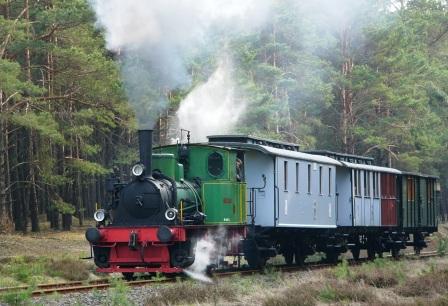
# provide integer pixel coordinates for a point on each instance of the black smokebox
(145, 147)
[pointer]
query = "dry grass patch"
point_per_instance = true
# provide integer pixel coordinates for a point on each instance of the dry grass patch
(343, 292)
(330, 292)
(69, 269)
(31, 270)
(428, 284)
(379, 279)
(305, 295)
(191, 292)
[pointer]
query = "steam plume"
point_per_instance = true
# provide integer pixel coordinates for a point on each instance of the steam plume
(156, 38)
(212, 107)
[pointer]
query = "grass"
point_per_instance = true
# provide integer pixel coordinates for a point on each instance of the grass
(17, 298)
(428, 284)
(68, 268)
(442, 246)
(381, 273)
(341, 292)
(30, 270)
(191, 292)
(307, 294)
(118, 295)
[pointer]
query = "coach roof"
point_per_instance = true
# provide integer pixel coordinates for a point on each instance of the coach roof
(371, 168)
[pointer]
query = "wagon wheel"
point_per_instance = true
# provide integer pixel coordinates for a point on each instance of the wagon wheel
(299, 256)
(417, 250)
(370, 253)
(395, 252)
(331, 257)
(355, 253)
(128, 276)
(289, 256)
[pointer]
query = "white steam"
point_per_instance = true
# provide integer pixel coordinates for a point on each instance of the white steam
(156, 38)
(212, 107)
(210, 250)
(203, 254)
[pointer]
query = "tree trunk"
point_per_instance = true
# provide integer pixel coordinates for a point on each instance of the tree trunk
(346, 95)
(34, 210)
(66, 222)
(6, 221)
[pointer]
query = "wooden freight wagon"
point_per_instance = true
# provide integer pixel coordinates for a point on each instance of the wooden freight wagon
(418, 200)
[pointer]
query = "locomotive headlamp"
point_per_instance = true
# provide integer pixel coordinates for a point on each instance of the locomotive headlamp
(170, 214)
(99, 215)
(138, 169)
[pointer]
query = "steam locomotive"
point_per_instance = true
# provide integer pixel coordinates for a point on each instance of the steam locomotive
(268, 197)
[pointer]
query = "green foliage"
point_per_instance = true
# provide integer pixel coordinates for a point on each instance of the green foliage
(442, 246)
(43, 123)
(63, 207)
(118, 295)
(342, 270)
(88, 167)
(17, 298)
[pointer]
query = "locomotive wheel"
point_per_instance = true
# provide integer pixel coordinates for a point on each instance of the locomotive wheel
(128, 276)
(181, 257)
(355, 253)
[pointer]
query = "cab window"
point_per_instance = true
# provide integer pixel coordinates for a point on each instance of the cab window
(215, 164)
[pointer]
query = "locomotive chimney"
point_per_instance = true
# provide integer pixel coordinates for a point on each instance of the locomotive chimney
(145, 147)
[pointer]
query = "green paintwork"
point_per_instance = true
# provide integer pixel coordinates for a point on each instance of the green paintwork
(197, 161)
(224, 202)
(418, 210)
(185, 194)
(223, 198)
(167, 163)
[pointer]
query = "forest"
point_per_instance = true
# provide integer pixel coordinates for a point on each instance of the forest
(363, 77)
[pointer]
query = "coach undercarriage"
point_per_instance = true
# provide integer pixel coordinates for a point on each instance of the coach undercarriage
(296, 244)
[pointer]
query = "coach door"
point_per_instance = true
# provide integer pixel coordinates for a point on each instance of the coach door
(366, 202)
(388, 199)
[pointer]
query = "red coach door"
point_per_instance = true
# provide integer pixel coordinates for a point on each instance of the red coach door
(388, 199)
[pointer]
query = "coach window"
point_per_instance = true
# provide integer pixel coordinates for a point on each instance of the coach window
(329, 181)
(375, 185)
(285, 172)
(357, 181)
(320, 180)
(367, 184)
(297, 177)
(309, 178)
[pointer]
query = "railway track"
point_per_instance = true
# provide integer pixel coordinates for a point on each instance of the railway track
(78, 286)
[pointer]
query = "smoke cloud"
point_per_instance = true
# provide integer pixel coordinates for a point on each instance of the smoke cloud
(155, 40)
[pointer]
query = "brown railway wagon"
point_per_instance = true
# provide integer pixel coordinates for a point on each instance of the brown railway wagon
(388, 199)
